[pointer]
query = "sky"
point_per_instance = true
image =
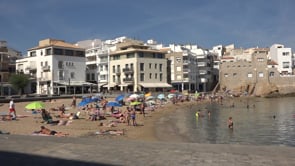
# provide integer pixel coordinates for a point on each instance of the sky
(207, 23)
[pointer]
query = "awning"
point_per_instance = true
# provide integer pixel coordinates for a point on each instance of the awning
(102, 83)
(74, 83)
(109, 85)
(124, 84)
(155, 85)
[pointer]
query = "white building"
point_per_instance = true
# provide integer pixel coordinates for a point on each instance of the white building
(283, 57)
(58, 68)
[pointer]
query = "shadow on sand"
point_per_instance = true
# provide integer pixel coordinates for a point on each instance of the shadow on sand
(16, 159)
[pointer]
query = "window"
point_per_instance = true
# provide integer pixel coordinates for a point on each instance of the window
(271, 74)
(151, 75)
(260, 74)
(69, 52)
(60, 64)
(48, 51)
(114, 78)
(286, 53)
(178, 60)
(131, 66)
(260, 59)
(150, 65)
(140, 54)
(161, 77)
(141, 67)
(57, 51)
(250, 75)
(234, 74)
(41, 64)
(72, 75)
(116, 57)
(225, 75)
(160, 67)
(141, 76)
(33, 53)
(61, 75)
(156, 66)
(92, 76)
(130, 55)
(286, 65)
(156, 76)
(114, 69)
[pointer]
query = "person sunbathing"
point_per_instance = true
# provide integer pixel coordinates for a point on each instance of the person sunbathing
(47, 131)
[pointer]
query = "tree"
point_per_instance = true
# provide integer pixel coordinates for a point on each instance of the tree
(19, 82)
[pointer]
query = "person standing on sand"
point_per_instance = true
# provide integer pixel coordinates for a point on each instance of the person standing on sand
(133, 117)
(12, 109)
(74, 103)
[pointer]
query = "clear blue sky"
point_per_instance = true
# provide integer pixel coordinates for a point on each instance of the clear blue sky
(245, 23)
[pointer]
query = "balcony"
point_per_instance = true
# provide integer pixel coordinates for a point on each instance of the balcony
(128, 80)
(128, 70)
(118, 71)
(186, 70)
(31, 68)
(118, 81)
(45, 68)
(43, 79)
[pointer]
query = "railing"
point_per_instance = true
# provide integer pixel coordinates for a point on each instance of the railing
(128, 70)
(46, 68)
(128, 79)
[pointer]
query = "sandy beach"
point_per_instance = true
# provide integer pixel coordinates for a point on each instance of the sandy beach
(147, 129)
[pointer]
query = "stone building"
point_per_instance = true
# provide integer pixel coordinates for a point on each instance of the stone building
(258, 77)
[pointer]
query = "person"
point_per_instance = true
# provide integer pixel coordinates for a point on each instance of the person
(47, 117)
(74, 103)
(230, 123)
(47, 131)
(209, 114)
(142, 108)
(133, 117)
(12, 111)
(128, 116)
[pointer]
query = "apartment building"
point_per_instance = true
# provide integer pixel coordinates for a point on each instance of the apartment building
(183, 68)
(97, 60)
(136, 67)
(8, 56)
(57, 67)
(283, 57)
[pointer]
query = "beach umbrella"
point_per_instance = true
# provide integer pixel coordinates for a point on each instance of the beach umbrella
(135, 103)
(113, 104)
(120, 98)
(149, 98)
(35, 105)
(148, 94)
(86, 101)
(135, 96)
(161, 96)
(170, 96)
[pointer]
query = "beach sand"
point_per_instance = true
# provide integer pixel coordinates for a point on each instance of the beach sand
(148, 128)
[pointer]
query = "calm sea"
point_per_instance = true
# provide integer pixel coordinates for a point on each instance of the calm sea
(267, 121)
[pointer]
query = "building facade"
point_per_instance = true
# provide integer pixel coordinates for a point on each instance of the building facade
(283, 57)
(8, 57)
(57, 68)
(136, 67)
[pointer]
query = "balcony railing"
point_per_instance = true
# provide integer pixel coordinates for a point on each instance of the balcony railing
(118, 71)
(31, 68)
(128, 70)
(128, 79)
(45, 68)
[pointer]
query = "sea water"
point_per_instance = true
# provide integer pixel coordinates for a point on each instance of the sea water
(257, 121)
